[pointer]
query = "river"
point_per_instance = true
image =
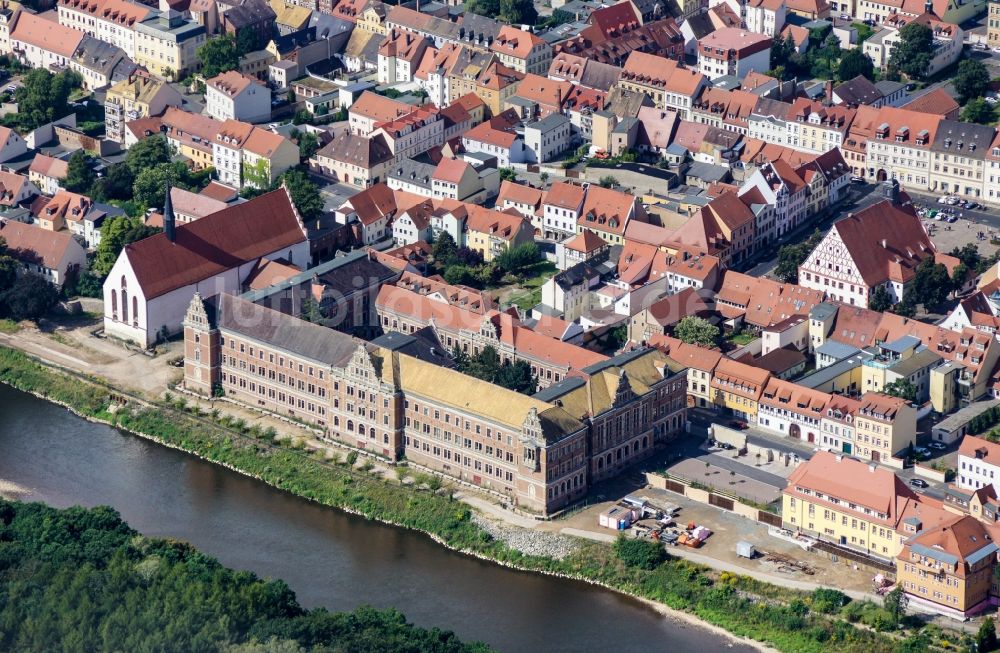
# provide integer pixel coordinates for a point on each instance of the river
(328, 558)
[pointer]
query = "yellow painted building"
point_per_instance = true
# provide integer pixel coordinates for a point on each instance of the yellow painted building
(372, 19)
(883, 426)
(949, 568)
(167, 44)
(736, 387)
(855, 505)
(993, 24)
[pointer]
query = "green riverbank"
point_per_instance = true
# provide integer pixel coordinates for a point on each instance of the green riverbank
(784, 619)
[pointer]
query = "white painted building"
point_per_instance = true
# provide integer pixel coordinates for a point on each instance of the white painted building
(234, 96)
(111, 21)
(978, 463)
(151, 284)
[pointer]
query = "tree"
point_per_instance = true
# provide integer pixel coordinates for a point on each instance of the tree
(607, 182)
(931, 284)
(489, 8)
(791, 256)
(880, 300)
(853, 63)
(517, 258)
(218, 55)
(895, 602)
(444, 250)
(79, 174)
(148, 153)
(308, 144)
(913, 52)
(901, 388)
(458, 275)
(905, 308)
(507, 174)
(544, 177)
(979, 111)
(247, 40)
(150, 185)
(116, 232)
(969, 255)
(517, 377)
(697, 331)
(311, 311)
(30, 298)
(8, 266)
(517, 12)
(986, 637)
(782, 51)
(116, 184)
(972, 80)
(44, 97)
(305, 196)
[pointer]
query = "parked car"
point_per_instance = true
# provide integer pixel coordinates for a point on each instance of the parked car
(739, 424)
(922, 452)
(857, 180)
(919, 482)
(937, 446)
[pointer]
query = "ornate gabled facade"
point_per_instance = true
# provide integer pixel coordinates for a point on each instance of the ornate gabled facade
(363, 395)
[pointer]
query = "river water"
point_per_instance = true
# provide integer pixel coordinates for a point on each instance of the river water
(328, 558)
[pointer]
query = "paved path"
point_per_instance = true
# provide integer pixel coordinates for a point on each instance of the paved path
(722, 565)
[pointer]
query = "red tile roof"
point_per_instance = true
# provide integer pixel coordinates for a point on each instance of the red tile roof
(207, 247)
(46, 35)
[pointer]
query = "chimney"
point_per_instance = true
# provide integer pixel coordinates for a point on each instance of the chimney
(168, 216)
(829, 92)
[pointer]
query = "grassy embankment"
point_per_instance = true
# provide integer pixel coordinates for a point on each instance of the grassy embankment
(787, 620)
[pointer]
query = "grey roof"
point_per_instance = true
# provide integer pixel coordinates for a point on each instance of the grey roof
(965, 415)
(413, 172)
(901, 344)
(249, 13)
(337, 274)
(707, 171)
(328, 26)
(934, 554)
(290, 334)
(727, 82)
(919, 360)
(822, 311)
(976, 556)
(575, 275)
(103, 58)
(625, 125)
(548, 123)
(557, 390)
(769, 107)
(836, 350)
(963, 138)
(858, 91)
(599, 75)
(166, 25)
(827, 374)
(617, 361)
(422, 344)
(887, 87)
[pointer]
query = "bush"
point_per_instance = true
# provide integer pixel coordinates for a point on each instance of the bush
(352, 457)
(644, 554)
(829, 601)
